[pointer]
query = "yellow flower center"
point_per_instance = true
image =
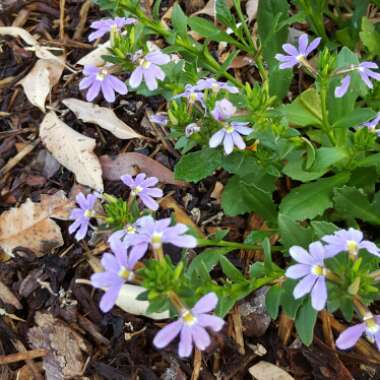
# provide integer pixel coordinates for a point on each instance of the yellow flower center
(101, 75)
(137, 190)
(188, 318)
(124, 273)
(318, 270)
(130, 229)
(145, 64)
(300, 58)
(352, 247)
(157, 240)
(215, 87)
(89, 213)
(193, 97)
(229, 129)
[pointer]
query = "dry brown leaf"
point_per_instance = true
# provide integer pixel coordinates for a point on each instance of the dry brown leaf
(210, 8)
(31, 226)
(72, 150)
(104, 117)
(7, 296)
(41, 79)
(131, 162)
(95, 56)
(267, 371)
(65, 347)
(251, 9)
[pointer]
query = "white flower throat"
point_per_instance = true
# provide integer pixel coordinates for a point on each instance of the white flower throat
(352, 247)
(188, 318)
(137, 190)
(101, 75)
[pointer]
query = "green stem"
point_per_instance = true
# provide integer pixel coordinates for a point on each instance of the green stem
(325, 118)
(231, 244)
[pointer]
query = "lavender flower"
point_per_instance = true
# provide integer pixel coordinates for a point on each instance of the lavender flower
(191, 129)
(82, 215)
(98, 79)
(350, 240)
(297, 56)
(148, 70)
(142, 187)
(312, 270)
(192, 95)
(191, 326)
(157, 232)
(107, 25)
(118, 270)
(125, 235)
(365, 73)
(159, 118)
(370, 327)
(230, 135)
(372, 124)
(223, 110)
(214, 85)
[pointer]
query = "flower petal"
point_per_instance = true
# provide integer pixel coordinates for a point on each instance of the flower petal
(211, 321)
(301, 255)
(216, 139)
(297, 271)
(206, 303)
(109, 298)
(304, 286)
(200, 336)
(350, 336)
(167, 334)
(343, 87)
(136, 77)
(185, 346)
(319, 294)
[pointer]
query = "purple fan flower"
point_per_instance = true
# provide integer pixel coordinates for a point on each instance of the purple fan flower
(107, 25)
(191, 129)
(142, 187)
(372, 124)
(118, 270)
(125, 235)
(148, 70)
(365, 73)
(297, 56)
(311, 270)
(223, 110)
(350, 240)
(191, 326)
(192, 95)
(370, 327)
(159, 118)
(230, 135)
(98, 79)
(82, 215)
(157, 232)
(214, 85)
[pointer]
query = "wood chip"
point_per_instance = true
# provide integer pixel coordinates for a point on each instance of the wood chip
(267, 371)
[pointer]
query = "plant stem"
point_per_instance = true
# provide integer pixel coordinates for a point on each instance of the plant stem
(325, 118)
(231, 244)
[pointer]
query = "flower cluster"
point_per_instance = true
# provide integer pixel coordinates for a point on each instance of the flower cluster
(311, 268)
(109, 25)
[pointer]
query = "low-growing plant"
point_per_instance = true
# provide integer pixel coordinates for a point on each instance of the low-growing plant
(307, 166)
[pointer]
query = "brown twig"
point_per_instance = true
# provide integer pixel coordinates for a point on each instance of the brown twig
(197, 365)
(62, 20)
(23, 356)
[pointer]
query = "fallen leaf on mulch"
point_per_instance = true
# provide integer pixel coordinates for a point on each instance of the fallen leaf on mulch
(131, 163)
(210, 8)
(31, 226)
(41, 79)
(65, 358)
(267, 371)
(251, 9)
(95, 56)
(72, 150)
(104, 117)
(8, 297)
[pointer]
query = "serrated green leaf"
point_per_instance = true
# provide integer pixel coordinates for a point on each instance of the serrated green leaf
(292, 233)
(323, 228)
(312, 199)
(198, 165)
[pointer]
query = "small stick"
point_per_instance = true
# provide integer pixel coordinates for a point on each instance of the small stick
(326, 328)
(62, 20)
(196, 365)
(23, 356)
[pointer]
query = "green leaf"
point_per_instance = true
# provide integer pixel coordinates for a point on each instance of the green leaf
(305, 321)
(272, 301)
(288, 302)
(304, 110)
(312, 199)
(209, 258)
(292, 233)
(323, 228)
(356, 117)
(207, 29)
(352, 202)
(239, 197)
(270, 15)
(179, 21)
(370, 36)
(242, 163)
(230, 270)
(325, 158)
(198, 165)
(345, 105)
(223, 13)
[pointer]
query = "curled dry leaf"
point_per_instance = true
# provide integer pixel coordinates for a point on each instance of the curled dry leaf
(72, 150)
(31, 226)
(65, 358)
(95, 56)
(104, 117)
(41, 79)
(131, 163)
